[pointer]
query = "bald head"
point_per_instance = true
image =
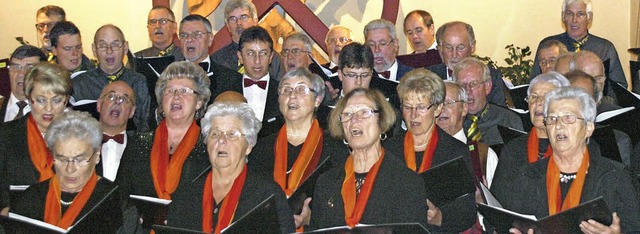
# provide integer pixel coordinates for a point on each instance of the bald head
(230, 96)
(585, 61)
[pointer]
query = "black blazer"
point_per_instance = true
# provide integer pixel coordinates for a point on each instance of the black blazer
(129, 134)
(460, 214)
(397, 196)
(496, 95)
(16, 167)
(185, 210)
(218, 74)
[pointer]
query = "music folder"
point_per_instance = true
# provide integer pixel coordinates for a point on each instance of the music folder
(152, 209)
(91, 221)
(305, 190)
(375, 228)
(448, 181)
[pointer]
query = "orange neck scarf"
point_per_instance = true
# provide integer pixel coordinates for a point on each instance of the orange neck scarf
(532, 147)
(354, 207)
(52, 209)
(554, 194)
(427, 156)
(305, 163)
(38, 151)
(229, 204)
(166, 172)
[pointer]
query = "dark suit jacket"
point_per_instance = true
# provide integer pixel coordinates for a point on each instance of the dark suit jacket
(397, 196)
(217, 74)
(460, 214)
(130, 134)
(272, 119)
(402, 70)
(606, 178)
(185, 210)
(496, 95)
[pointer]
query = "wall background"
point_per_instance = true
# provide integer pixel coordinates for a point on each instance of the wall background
(497, 23)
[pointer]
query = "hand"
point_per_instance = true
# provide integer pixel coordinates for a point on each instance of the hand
(332, 92)
(517, 231)
(591, 226)
(434, 216)
(4, 211)
(304, 216)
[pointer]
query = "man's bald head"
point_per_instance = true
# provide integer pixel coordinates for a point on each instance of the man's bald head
(585, 61)
(230, 96)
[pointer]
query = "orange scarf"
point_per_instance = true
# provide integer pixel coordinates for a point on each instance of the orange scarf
(305, 163)
(354, 208)
(532, 147)
(554, 194)
(427, 156)
(229, 204)
(38, 151)
(166, 172)
(52, 209)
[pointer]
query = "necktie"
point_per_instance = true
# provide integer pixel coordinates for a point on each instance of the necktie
(385, 74)
(578, 44)
(249, 82)
(116, 76)
(118, 138)
(165, 51)
(240, 67)
(204, 66)
(474, 133)
(21, 106)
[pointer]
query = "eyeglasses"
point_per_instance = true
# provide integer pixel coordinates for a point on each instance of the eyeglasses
(113, 46)
(243, 18)
(534, 99)
(342, 40)
(49, 25)
(117, 99)
(230, 135)
(566, 119)
(77, 161)
(193, 35)
(449, 104)
(361, 114)
(354, 76)
(55, 102)
(183, 91)
(459, 48)
(294, 52)
(263, 54)
(419, 108)
(380, 44)
(570, 15)
(298, 89)
(472, 85)
(18, 67)
(162, 21)
(600, 79)
(72, 48)
(551, 61)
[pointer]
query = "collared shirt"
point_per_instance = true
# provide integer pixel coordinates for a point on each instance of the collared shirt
(256, 97)
(207, 60)
(393, 72)
(12, 108)
(434, 46)
(111, 155)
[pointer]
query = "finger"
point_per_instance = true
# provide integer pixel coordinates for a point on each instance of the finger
(430, 205)
(514, 231)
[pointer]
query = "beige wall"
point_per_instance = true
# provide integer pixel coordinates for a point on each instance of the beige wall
(497, 23)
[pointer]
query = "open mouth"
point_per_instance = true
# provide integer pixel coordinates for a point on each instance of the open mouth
(176, 107)
(191, 49)
(443, 118)
(110, 60)
(561, 137)
(293, 106)
(291, 66)
(47, 117)
(379, 60)
(223, 154)
(115, 113)
(415, 124)
(356, 132)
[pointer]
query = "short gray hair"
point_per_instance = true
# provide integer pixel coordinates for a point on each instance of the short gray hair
(250, 124)
(551, 77)
(75, 124)
(235, 4)
(381, 24)
(335, 27)
(301, 37)
(462, 93)
(566, 3)
(587, 104)
(471, 61)
(185, 70)
(316, 82)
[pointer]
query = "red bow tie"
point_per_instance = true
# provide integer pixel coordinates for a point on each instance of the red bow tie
(385, 74)
(119, 138)
(249, 82)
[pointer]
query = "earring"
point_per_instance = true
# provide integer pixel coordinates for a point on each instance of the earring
(383, 136)
(344, 141)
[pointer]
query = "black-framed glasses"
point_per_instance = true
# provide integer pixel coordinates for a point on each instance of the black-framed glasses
(243, 18)
(162, 21)
(419, 108)
(566, 119)
(193, 35)
(117, 99)
(361, 114)
(182, 91)
(380, 44)
(451, 103)
(295, 52)
(230, 135)
(298, 89)
(472, 85)
(77, 161)
(354, 76)
(18, 67)
(342, 40)
(113, 46)
(49, 25)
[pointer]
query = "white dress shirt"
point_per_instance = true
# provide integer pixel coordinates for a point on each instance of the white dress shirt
(12, 108)
(111, 155)
(256, 97)
(393, 72)
(492, 157)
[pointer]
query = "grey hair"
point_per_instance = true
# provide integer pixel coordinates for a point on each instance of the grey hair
(472, 61)
(235, 4)
(424, 83)
(335, 27)
(316, 82)
(75, 124)
(250, 124)
(381, 24)
(587, 104)
(185, 70)
(566, 3)
(462, 93)
(441, 30)
(551, 77)
(301, 37)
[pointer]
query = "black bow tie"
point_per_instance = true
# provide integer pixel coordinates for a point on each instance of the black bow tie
(118, 138)
(249, 82)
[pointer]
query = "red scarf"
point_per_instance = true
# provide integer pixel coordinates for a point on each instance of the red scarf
(166, 172)
(229, 204)
(38, 151)
(52, 209)
(354, 208)
(305, 163)
(427, 156)
(554, 193)
(532, 147)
